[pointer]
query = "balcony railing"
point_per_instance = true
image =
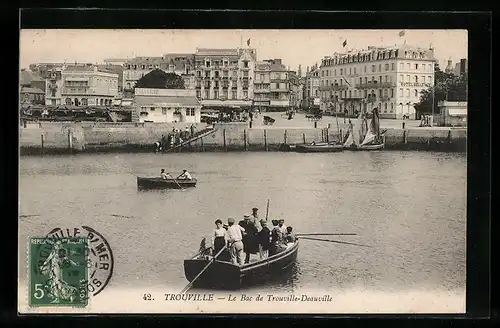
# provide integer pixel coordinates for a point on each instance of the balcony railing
(76, 92)
(261, 90)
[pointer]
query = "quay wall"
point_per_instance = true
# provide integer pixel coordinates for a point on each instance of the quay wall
(140, 137)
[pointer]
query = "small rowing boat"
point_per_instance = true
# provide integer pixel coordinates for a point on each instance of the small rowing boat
(222, 274)
(320, 147)
(159, 183)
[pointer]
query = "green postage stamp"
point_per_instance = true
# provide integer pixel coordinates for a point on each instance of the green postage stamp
(58, 271)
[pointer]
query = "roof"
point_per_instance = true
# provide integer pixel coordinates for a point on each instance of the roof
(26, 77)
(216, 52)
(185, 101)
(31, 90)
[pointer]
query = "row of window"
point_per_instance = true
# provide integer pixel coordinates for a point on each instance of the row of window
(85, 102)
(387, 67)
(224, 74)
(384, 108)
(217, 95)
(386, 93)
(379, 55)
(387, 78)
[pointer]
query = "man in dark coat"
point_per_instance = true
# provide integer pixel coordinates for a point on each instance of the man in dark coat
(250, 241)
(264, 240)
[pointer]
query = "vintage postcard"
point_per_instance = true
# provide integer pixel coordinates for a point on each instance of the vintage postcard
(242, 171)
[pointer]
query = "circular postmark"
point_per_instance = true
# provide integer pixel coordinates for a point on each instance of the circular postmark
(100, 260)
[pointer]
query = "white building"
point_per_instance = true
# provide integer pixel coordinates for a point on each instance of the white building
(87, 85)
(262, 86)
(224, 77)
(311, 89)
(389, 78)
(167, 105)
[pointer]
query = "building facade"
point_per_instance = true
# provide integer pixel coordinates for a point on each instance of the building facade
(85, 85)
(311, 89)
(388, 78)
(296, 84)
(279, 86)
(167, 105)
(224, 77)
(262, 86)
(54, 86)
(180, 64)
(461, 68)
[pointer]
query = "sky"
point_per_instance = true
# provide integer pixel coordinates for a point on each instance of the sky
(294, 47)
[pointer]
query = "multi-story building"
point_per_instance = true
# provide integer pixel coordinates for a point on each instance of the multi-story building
(461, 68)
(180, 64)
(115, 69)
(389, 78)
(311, 89)
(224, 77)
(279, 88)
(296, 84)
(88, 85)
(54, 86)
(262, 86)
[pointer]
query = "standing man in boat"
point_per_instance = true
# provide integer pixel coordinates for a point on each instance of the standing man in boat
(264, 240)
(254, 218)
(235, 241)
(250, 241)
(185, 175)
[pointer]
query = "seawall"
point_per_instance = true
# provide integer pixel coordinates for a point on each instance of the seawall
(57, 138)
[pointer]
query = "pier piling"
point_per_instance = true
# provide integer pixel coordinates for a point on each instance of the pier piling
(265, 140)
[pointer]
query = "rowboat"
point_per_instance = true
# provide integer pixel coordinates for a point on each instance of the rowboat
(367, 147)
(222, 274)
(320, 147)
(369, 133)
(159, 183)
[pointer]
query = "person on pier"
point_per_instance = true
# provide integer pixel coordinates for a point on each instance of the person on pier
(264, 240)
(185, 175)
(250, 241)
(235, 234)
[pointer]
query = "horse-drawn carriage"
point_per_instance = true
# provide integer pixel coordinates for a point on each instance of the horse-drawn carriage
(269, 120)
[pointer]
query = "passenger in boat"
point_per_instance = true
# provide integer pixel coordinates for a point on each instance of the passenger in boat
(185, 176)
(254, 218)
(282, 226)
(164, 175)
(219, 238)
(290, 236)
(235, 241)
(250, 240)
(264, 240)
(277, 241)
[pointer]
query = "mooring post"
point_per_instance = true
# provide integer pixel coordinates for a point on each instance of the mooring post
(322, 135)
(70, 140)
(341, 136)
(405, 137)
(202, 145)
(265, 139)
(245, 139)
(315, 124)
(327, 133)
(41, 136)
(224, 139)
(449, 136)
(284, 137)
(304, 138)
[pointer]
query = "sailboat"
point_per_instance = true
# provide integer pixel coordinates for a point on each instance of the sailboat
(364, 136)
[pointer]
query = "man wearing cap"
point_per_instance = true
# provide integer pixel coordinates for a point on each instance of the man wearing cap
(235, 241)
(282, 226)
(254, 218)
(264, 240)
(250, 241)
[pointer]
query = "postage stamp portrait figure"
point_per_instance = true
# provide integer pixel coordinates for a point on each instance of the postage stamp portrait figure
(58, 271)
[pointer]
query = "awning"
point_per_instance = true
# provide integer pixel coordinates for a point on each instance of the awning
(457, 111)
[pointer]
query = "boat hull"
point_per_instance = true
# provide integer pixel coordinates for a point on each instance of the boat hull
(319, 148)
(225, 275)
(159, 183)
(365, 147)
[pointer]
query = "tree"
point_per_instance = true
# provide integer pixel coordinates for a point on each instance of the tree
(158, 79)
(446, 87)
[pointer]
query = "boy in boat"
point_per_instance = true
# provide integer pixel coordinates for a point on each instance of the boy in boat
(290, 236)
(250, 241)
(164, 175)
(264, 240)
(235, 241)
(185, 176)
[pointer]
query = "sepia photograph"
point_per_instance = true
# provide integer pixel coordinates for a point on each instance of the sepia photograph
(242, 171)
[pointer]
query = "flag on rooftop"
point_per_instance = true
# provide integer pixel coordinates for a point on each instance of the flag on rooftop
(345, 43)
(248, 42)
(402, 33)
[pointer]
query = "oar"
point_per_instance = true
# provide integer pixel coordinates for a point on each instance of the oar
(175, 180)
(28, 215)
(267, 209)
(326, 234)
(201, 272)
(123, 216)
(333, 241)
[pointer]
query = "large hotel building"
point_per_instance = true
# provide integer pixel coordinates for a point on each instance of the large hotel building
(388, 78)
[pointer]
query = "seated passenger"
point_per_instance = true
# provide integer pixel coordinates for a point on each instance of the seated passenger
(185, 175)
(290, 236)
(164, 175)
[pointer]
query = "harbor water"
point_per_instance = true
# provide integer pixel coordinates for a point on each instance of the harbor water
(409, 207)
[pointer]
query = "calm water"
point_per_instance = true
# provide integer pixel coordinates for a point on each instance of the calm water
(409, 206)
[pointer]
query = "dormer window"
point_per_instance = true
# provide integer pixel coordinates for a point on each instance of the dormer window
(245, 64)
(207, 62)
(225, 62)
(143, 66)
(135, 66)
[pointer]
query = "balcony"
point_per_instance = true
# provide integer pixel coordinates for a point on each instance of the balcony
(261, 82)
(352, 98)
(67, 91)
(274, 89)
(388, 84)
(234, 78)
(369, 85)
(261, 90)
(225, 77)
(415, 84)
